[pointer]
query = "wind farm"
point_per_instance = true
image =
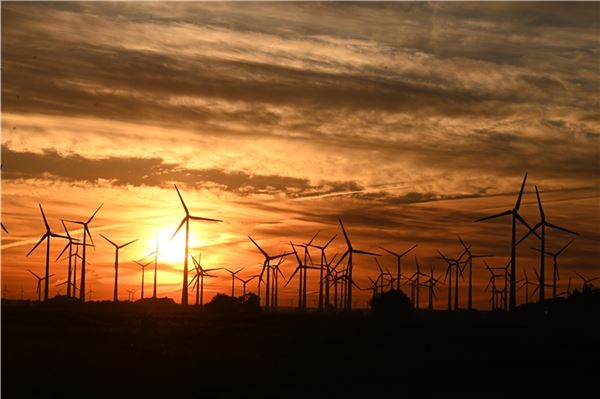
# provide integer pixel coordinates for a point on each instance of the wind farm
(298, 199)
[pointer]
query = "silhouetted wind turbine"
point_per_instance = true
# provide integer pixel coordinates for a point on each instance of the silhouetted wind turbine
(349, 253)
(245, 282)
(186, 221)
(513, 255)
(381, 276)
(143, 266)
(323, 264)
(586, 281)
(568, 291)
(46, 237)
(155, 253)
(267, 267)
(233, 279)
(198, 279)
(543, 224)
(469, 262)
(526, 283)
(86, 233)
(38, 288)
(555, 275)
(416, 277)
(72, 241)
(117, 248)
(456, 264)
(398, 258)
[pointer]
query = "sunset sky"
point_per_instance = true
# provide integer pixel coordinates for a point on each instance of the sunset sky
(406, 120)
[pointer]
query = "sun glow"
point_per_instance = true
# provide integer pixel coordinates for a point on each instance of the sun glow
(172, 250)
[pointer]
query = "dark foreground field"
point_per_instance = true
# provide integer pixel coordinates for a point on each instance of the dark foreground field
(128, 352)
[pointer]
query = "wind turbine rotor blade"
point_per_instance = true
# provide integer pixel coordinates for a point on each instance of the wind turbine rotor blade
(505, 213)
(182, 202)
(103, 236)
(356, 251)
(36, 276)
(539, 201)
(312, 239)
(561, 228)
(63, 251)
(527, 225)
(518, 204)
(66, 230)
(341, 259)
(390, 252)
(537, 226)
(345, 234)
(329, 242)
(292, 276)
(94, 214)
(4, 228)
(39, 242)
(259, 248)
(565, 247)
(408, 250)
(130, 242)
(178, 228)
(44, 217)
(205, 219)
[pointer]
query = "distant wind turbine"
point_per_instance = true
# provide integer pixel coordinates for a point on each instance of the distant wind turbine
(117, 248)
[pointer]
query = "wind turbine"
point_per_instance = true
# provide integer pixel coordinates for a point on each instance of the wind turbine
(46, 237)
(586, 281)
(267, 267)
(69, 246)
(456, 264)
(86, 233)
(568, 290)
(514, 212)
(431, 283)
(543, 224)
(469, 262)
(200, 274)
(398, 259)
(143, 266)
(555, 275)
(38, 288)
(301, 268)
(155, 253)
(381, 276)
(349, 253)
(245, 282)
(233, 274)
(416, 277)
(117, 248)
(186, 221)
(526, 283)
(323, 264)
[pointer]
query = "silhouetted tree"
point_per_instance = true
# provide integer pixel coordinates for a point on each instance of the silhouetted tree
(250, 303)
(391, 303)
(222, 303)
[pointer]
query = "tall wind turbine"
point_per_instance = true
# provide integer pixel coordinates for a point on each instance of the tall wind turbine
(117, 248)
(398, 258)
(267, 267)
(543, 224)
(186, 221)
(46, 237)
(323, 264)
(155, 253)
(514, 212)
(350, 253)
(555, 275)
(86, 233)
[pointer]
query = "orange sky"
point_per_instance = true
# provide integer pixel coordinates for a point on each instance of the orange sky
(408, 121)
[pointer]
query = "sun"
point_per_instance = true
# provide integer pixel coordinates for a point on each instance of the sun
(173, 250)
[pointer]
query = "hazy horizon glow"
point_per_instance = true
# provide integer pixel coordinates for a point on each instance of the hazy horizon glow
(406, 120)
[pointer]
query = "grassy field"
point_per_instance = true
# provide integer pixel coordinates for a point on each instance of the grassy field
(128, 351)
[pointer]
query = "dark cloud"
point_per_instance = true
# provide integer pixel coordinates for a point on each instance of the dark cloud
(155, 172)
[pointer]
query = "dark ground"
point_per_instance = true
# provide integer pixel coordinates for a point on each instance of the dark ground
(130, 352)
